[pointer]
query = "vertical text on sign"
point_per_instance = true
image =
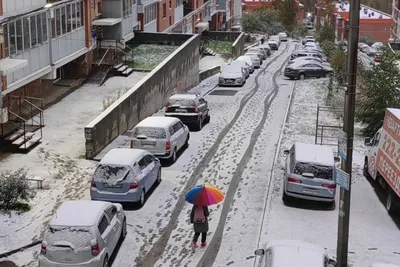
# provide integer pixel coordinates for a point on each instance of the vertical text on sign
(389, 171)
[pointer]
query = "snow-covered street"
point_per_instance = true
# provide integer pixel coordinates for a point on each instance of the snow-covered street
(241, 152)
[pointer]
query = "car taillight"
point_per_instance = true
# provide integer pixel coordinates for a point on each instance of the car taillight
(330, 186)
(95, 249)
(168, 145)
(131, 143)
(43, 248)
(293, 180)
(93, 184)
(134, 185)
(289, 69)
(196, 108)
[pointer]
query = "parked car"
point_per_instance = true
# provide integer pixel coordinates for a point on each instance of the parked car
(259, 51)
(302, 70)
(266, 48)
(310, 25)
(273, 44)
(305, 53)
(125, 175)
(285, 253)
(378, 57)
(255, 59)
(232, 76)
(283, 36)
(191, 109)
(377, 45)
(310, 59)
(308, 40)
(362, 45)
(83, 233)
(371, 51)
(248, 60)
(242, 64)
(275, 38)
(164, 136)
(310, 173)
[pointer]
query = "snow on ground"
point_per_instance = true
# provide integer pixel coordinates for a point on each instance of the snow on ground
(148, 56)
(59, 159)
(208, 62)
(221, 169)
(374, 235)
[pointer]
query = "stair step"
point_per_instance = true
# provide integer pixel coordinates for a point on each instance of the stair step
(118, 66)
(123, 68)
(32, 142)
(14, 136)
(128, 71)
(23, 139)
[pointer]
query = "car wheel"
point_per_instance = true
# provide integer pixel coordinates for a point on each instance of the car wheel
(172, 159)
(292, 78)
(123, 230)
(187, 141)
(142, 198)
(208, 118)
(365, 169)
(285, 197)
(105, 262)
(302, 76)
(332, 205)
(159, 176)
(389, 202)
(200, 123)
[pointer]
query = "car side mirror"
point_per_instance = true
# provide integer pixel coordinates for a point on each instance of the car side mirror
(286, 151)
(259, 252)
(367, 141)
(337, 159)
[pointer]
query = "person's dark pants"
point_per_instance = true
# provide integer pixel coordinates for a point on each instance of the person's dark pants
(203, 237)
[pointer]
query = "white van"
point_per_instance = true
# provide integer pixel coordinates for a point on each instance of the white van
(282, 36)
(161, 136)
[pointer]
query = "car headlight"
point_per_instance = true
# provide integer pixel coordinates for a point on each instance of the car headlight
(221, 79)
(239, 80)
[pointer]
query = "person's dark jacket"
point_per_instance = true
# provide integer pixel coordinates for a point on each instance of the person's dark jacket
(200, 227)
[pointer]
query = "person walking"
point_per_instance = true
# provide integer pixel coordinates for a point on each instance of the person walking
(199, 219)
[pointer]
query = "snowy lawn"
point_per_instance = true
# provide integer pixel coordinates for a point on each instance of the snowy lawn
(222, 47)
(374, 235)
(148, 56)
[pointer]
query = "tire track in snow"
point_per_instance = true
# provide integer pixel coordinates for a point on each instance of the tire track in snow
(211, 252)
(159, 246)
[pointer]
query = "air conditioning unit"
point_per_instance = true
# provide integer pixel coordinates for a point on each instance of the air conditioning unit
(3, 115)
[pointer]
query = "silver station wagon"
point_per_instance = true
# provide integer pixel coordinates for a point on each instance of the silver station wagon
(161, 136)
(125, 175)
(310, 173)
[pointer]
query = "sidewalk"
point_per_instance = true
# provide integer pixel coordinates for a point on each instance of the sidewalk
(60, 157)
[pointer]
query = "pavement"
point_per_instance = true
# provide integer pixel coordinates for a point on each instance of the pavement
(241, 152)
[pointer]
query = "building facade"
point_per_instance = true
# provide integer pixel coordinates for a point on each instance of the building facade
(373, 23)
(395, 31)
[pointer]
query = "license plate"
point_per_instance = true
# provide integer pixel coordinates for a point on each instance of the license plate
(310, 191)
(112, 185)
(148, 143)
(180, 110)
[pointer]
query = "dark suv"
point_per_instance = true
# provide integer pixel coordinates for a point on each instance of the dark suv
(191, 109)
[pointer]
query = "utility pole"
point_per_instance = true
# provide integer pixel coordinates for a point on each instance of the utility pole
(348, 128)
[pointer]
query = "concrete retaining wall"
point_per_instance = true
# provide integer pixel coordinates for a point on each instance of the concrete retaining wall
(208, 73)
(238, 39)
(177, 73)
(238, 46)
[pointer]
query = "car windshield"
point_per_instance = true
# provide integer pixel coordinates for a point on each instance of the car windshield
(111, 173)
(181, 102)
(319, 171)
(150, 132)
(77, 237)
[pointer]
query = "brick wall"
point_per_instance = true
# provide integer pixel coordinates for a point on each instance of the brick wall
(377, 31)
(165, 7)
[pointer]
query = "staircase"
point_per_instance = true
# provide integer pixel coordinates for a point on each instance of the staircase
(99, 75)
(22, 131)
(208, 51)
(123, 69)
(207, 46)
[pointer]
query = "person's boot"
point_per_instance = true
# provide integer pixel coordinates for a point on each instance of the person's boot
(194, 244)
(203, 244)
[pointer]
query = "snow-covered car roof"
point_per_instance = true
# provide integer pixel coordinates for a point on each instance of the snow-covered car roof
(79, 213)
(272, 42)
(123, 156)
(244, 57)
(157, 121)
(184, 96)
(239, 62)
(317, 154)
(232, 68)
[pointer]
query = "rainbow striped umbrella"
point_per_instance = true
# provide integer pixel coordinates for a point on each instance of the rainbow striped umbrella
(204, 195)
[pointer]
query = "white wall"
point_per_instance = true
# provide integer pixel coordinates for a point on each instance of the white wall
(237, 8)
(68, 44)
(151, 27)
(12, 7)
(178, 14)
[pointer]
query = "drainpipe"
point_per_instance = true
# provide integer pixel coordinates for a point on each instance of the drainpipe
(1, 90)
(49, 16)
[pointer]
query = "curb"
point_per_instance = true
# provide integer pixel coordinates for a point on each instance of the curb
(9, 253)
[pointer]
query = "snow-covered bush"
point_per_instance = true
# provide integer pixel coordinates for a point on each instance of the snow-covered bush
(326, 33)
(14, 190)
(262, 20)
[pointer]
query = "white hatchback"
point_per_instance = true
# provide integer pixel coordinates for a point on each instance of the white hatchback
(83, 233)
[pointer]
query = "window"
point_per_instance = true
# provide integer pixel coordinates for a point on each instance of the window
(33, 30)
(170, 20)
(57, 22)
(68, 18)
(142, 164)
(197, 3)
(18, 34)
(111, 212)
(178, 3)
(170, 4)
(319, 171)
(42, 27)
(177, 127)
(150, 132)
(149, 159)
(6, 41)
(171, 131)
(127, 7)
(73, 16)
(25, 29)
(63, 19)
(150, 13)
(164, 10)
(103, 224)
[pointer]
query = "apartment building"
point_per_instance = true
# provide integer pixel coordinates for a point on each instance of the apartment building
(395, 31)
(373, 23)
